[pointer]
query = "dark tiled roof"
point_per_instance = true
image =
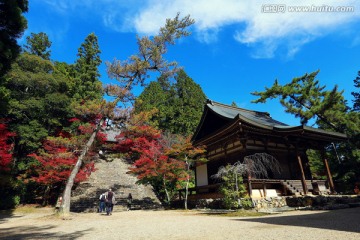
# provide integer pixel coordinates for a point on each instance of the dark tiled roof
(254, 116)
(258, 119)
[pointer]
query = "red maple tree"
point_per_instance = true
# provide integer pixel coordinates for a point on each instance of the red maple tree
(55, 163)
(147, 147)
(5, 147)
(56, 159)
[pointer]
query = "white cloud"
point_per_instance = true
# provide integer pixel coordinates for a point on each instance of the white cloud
(265, 32)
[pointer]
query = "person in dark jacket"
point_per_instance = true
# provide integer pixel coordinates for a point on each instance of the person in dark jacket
(129, 201)
(110, 201)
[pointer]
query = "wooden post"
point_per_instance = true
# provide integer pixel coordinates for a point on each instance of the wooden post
(249, 185)
(303, 180)
(329, 177)
(264, 188)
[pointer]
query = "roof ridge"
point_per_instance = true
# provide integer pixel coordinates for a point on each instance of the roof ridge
(233, 107)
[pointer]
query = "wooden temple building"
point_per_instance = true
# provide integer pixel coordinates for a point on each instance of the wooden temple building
(231, 133)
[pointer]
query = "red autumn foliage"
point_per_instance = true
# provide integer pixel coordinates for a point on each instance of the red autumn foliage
(151, 163)
(74, 120)
(127, 139)
(5, 148)
(101, 137)
(56, 163)
(86, 129)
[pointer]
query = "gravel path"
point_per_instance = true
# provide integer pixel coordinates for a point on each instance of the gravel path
(337, 224)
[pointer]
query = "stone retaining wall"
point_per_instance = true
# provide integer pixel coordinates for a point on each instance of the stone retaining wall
(324, 202)
(272, 203)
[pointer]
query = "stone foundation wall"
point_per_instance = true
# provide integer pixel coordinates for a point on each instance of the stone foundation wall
(324, 202)
(271, 202)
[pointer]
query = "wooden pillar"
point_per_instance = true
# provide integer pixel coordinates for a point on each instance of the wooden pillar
(249, 186)
(288, 156)
(264, 188)
(303, 180)
(328, 174)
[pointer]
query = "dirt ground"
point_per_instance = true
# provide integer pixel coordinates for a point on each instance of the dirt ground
(42, 224)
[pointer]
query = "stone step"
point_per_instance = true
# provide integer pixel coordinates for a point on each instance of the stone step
(112, 174)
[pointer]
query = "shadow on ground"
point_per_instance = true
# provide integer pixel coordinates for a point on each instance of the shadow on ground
(347, 220)
(7, 214)
(31, 232)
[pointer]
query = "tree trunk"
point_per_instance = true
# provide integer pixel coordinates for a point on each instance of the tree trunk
(187, 185)
(166, 191)
(65, 206)
(46, 196)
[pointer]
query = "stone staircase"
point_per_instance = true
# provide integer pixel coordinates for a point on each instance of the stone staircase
(111, 173)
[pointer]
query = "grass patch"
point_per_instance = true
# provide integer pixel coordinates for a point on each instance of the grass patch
(244, 214)
(31, 208)
(239, 213)
(25, 209)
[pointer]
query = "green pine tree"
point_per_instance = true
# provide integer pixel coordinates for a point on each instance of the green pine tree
(88, 85)
(38, 44)
(38, 101)
(188, 102)
(307, 99)
(179, 105)
(12, 26)
(155, 97)
(356, 95)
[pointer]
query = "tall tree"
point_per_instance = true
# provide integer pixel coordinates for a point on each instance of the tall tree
(56, 158)
(356, 106)
(38, 102)
(150, 58)
(12, 26)
(38, 44)
(130, 73)
(88, 85)
(155, 97)
(307, 99)
(179, 105)
(183, 150)
(188, 104)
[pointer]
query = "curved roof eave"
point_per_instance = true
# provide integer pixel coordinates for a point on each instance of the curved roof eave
(260, 120)
(291, 129)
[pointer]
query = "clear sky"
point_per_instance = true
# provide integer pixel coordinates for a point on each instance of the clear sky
(236, 47)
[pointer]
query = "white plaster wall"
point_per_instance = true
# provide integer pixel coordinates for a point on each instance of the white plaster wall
(201, 175)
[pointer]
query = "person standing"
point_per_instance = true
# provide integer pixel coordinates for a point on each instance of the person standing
(102, 203)
(129, 202)
(110, 201)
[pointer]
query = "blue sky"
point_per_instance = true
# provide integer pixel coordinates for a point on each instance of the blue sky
(236, 47)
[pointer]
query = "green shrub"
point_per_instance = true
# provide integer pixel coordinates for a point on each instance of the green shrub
(233, 190)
